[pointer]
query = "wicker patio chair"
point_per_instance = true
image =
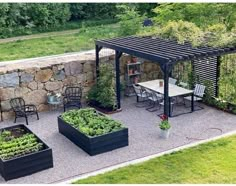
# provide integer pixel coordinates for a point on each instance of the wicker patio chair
(72, 97)
(22, 110)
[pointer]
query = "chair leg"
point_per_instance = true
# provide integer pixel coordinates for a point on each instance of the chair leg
(26, 119)
(15, 120)
(37, 115)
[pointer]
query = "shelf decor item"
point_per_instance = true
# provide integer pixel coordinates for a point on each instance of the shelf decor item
(132, 75)
(161, 83)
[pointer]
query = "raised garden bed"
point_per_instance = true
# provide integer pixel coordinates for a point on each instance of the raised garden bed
(92, 131)
(22, 153)
(104, 110)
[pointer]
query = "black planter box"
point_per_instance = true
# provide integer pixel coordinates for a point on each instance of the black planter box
(27, 164)
(94, 145)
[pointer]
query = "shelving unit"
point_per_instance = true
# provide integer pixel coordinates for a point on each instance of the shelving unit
(132, 76)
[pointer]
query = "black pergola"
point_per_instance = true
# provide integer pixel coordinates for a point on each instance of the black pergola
(165, 52)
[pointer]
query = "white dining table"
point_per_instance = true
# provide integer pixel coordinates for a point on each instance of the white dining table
(174, 90)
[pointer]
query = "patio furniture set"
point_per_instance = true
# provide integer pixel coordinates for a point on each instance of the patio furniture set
(152, 92)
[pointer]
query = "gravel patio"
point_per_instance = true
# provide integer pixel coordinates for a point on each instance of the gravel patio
(70, 161)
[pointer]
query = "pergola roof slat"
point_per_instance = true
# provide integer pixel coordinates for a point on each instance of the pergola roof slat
(161, 50)
(154, 50)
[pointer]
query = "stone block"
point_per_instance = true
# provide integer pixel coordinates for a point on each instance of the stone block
(5, 105)
(26, 77)
(43, 75)
(89, 76)
(51, 86)
(73, 68)
(59, 75)
(9, 80)
(43, 107)
(6, 93)
(89, 67)
(71, 80)
(33, 85)
(36, 97)
(21, 91)
(8, 115)
(40, 86)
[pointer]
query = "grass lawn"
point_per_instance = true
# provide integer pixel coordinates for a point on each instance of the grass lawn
(83, 40)
(214, 162)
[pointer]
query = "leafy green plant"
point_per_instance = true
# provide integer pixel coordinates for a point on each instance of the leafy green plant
(164, 124)
(103, 91)
(89, 122)
(12, 146)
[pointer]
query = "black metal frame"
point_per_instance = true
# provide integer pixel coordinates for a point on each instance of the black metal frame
(22, 110)
(165, 52)
(72, 97)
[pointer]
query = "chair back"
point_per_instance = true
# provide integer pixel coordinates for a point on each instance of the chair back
(199, 90)
(172, 81)
(73, 93)
(137, 89)
(17, 104)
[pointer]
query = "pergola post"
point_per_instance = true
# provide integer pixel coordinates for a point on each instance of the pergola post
(217, 75)
(98, 48)
(117, 61)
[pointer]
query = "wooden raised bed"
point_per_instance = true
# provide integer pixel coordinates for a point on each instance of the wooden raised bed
(26, 164)
(94, 145)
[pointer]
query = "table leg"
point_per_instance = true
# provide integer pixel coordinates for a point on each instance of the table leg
(192, 102)
(169, 107)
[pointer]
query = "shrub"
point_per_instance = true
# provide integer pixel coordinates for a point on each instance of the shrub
(103, 91)
(130, 20)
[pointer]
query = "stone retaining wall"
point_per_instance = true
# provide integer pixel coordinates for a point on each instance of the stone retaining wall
(32, 79)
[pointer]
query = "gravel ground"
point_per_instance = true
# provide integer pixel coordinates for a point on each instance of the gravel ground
(70, 161)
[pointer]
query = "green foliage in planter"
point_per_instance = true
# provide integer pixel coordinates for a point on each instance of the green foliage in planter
(103, 91)
(89, 122)
(12, 147)
(164, 124)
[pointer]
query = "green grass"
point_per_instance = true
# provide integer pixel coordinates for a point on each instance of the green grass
(83, 40)
(214, 162)
(60, 27)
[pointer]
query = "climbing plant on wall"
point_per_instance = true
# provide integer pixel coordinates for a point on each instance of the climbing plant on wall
(227, 80)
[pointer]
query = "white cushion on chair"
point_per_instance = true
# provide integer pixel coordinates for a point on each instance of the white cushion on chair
(195, 98)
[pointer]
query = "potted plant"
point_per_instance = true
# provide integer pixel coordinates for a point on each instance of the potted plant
(102, 95)
(134, 59)
(165, 127)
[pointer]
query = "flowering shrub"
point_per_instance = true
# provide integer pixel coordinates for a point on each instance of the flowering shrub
(164, 125)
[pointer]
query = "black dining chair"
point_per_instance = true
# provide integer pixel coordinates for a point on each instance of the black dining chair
(22, 110)
(72, 97)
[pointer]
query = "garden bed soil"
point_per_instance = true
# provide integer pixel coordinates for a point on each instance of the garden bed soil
(26, 164)
(94, 145)
(104, 110)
